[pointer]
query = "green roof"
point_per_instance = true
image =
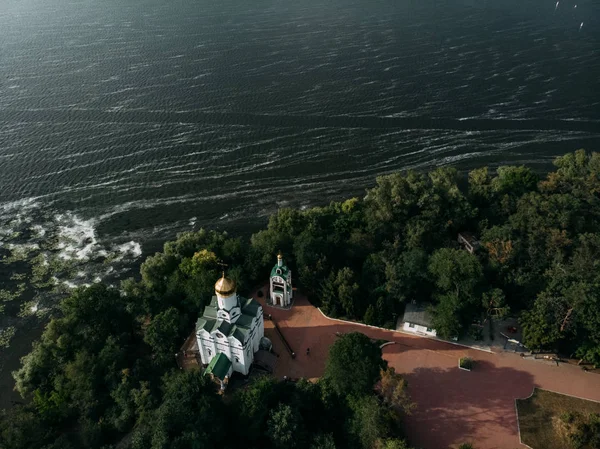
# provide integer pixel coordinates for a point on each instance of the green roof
(219, 366)
(284, 271)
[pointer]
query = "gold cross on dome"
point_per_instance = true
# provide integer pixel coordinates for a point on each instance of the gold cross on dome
(223, 265)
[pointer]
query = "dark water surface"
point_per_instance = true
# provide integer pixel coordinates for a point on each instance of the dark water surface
(143, 115)
(123, 122)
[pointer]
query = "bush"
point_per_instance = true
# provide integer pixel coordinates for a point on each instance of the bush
(567, 417)
(466, 363)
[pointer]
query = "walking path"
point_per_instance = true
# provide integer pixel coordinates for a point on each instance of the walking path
(453, 406)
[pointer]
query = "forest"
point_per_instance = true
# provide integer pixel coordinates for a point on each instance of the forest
(103, 373)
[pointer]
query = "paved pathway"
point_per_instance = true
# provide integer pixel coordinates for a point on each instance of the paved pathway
(453, 406)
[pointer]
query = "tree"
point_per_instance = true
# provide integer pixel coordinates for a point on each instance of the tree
(22, 428)
(458, 276)
(157, 269)
(188, 243)
(323, 441)
(161, 335)
(370, 316)
(198, 275)
(538, 326)
(263, 248)
(577, 173)
(407, 276)
(480, 187)
(311, 258)
(369, 422)
(448, 320)
(190, 416)
(456, 271)
(391, 443)
(340, 294)
(354, 365)
(494, 303)
(348, 291)
(252, 406)
(283, 427)
(393, 390)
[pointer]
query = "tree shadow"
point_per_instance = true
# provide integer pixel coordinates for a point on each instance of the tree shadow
(455, 406)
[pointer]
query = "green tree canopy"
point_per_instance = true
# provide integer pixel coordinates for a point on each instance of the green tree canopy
(354, 365)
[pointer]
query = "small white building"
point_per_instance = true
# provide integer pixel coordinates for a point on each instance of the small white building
(280, 292)
(230, 326)
(418, 320)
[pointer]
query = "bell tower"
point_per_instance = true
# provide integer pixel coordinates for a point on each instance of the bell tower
(281, 284)
(227, 298)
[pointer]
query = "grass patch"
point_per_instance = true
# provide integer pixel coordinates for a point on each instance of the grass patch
(552, 421)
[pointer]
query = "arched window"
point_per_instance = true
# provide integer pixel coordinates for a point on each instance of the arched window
(209, 352)
(278, 270)
(237, 359)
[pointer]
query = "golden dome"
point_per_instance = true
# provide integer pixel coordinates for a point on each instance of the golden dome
(279, 256)
(224, 286)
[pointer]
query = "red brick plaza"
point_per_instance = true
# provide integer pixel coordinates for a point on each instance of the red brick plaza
(453, 406)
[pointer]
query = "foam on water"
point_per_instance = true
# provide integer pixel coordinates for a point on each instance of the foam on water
(130, 249)
(63, 242)
(77, 237)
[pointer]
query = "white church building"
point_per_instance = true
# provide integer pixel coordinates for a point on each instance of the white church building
(280, 292)
(229, 332)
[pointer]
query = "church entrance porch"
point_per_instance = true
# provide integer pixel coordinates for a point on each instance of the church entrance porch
(278, 300)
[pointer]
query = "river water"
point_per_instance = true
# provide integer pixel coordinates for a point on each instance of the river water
(125, 122)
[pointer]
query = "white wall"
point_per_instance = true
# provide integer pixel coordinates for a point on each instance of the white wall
(286, 297)
(204, 345)
(419, 329)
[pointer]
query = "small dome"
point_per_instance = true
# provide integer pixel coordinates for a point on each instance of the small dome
(279, 256)
(224, 286)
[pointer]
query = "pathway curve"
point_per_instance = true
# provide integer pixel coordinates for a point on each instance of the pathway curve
(453, 406)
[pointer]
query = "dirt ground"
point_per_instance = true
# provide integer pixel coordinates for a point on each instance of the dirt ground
(453, 406)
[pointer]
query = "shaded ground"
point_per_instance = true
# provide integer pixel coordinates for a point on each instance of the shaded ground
(540, 418)
(495, 336)
(454, 406)
(188, 357)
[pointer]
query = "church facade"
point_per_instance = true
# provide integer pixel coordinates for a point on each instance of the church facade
(229, 331)
(280, 292)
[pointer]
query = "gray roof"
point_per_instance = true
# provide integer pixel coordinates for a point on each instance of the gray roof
(251, 307)
(245, 320)
(417, 314)
(208, 324)
(224, 327)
